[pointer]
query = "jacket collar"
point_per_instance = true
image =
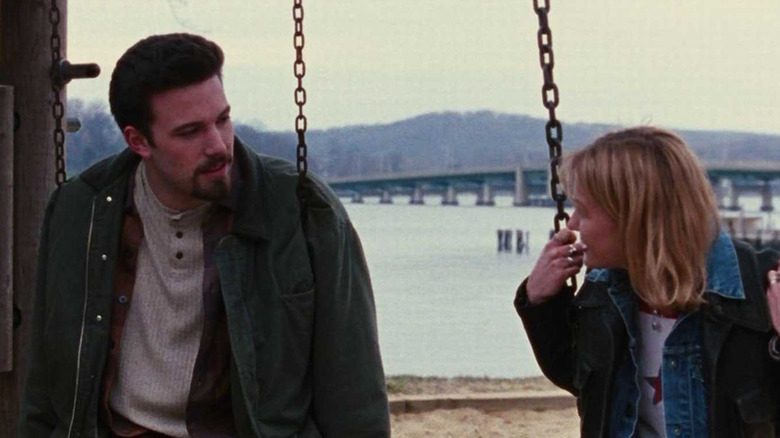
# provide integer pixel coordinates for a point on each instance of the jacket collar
(725, 292)
(249, 195)
(723, 275)
(253, 215)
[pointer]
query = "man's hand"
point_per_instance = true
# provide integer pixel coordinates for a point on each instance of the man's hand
(560, 259)
(773, 297)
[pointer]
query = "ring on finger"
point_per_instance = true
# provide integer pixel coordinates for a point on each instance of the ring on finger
(572, 250)
(570, 260)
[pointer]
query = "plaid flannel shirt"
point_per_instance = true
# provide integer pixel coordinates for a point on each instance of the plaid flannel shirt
(209, 413)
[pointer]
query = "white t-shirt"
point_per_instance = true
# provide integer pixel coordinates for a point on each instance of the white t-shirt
(654, 328)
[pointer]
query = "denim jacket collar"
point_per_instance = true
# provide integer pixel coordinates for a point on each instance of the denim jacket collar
(723, 275)
(725, 293)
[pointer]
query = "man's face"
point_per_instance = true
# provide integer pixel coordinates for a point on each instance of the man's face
(190, 155)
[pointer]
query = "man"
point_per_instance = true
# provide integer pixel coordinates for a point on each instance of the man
(181, 293)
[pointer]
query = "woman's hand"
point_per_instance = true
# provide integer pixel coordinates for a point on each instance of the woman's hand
(560, 259)
(773, 297)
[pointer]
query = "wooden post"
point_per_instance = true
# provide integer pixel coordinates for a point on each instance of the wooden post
(6, 226)
(25, 64)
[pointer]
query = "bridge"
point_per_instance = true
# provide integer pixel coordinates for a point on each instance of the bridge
(528, 185)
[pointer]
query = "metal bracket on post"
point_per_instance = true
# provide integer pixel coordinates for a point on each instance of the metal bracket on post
(73, 124)
(64, 72)
(9, 315)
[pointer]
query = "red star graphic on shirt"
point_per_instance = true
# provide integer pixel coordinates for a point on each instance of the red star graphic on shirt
(655, 382)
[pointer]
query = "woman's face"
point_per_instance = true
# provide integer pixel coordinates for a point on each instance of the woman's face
(598, 231)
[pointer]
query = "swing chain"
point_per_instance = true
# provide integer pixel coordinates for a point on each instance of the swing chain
(58, 108)
(299, 69)
(550, 98)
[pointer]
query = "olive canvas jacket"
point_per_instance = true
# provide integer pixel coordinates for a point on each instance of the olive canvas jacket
(580, 341)
(299, 306)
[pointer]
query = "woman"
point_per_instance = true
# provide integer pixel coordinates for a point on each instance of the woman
(669, 334)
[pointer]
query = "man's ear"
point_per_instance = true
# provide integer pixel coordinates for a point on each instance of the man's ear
(137, 141)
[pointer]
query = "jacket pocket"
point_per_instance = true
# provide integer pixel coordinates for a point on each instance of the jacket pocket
(303, 287)
(298, 320)
(295, 281)
(283, 362)
(758, 412)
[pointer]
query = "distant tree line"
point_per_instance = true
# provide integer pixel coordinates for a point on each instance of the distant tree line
(435, 141)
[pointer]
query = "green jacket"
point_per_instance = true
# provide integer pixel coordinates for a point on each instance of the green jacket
(299, 306)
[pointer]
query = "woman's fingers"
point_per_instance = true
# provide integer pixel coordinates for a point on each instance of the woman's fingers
(574, 270)
(773, 298)
(561, 258)
(570, 250)
(565, 236)
(567, 262)
(773, 278)
(561, 238)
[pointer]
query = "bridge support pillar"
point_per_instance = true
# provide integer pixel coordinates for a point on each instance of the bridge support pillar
(357, 198)
(720, 188)
(732, 193)
(450, 196)
(485, 195)
(766, 197)
(386, 197)
(418, 196)
(521, 193)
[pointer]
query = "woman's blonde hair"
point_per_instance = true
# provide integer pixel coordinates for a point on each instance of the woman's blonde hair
(651, 184)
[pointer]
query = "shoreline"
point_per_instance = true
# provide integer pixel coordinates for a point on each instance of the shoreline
(408, 384)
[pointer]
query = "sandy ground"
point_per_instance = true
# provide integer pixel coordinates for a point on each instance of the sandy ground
(469, 423)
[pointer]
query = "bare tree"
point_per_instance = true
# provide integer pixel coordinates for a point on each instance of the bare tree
(176, 7)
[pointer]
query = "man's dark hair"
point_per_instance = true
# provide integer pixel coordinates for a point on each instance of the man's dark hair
(156, 64)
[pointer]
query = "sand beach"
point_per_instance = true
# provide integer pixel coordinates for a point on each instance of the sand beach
(480, 407)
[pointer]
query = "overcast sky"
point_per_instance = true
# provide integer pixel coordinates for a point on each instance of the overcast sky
(697, 64)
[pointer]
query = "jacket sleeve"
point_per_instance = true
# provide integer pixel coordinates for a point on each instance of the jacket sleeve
(350, 397)
(37, 417)
(767, 260)
(550, 332)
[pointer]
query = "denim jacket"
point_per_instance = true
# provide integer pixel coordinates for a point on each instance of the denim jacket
(682, 377)
(717, 375)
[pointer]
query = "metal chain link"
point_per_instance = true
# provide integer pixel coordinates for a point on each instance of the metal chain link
(58, 108)
(299, 69)
(550, 99)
